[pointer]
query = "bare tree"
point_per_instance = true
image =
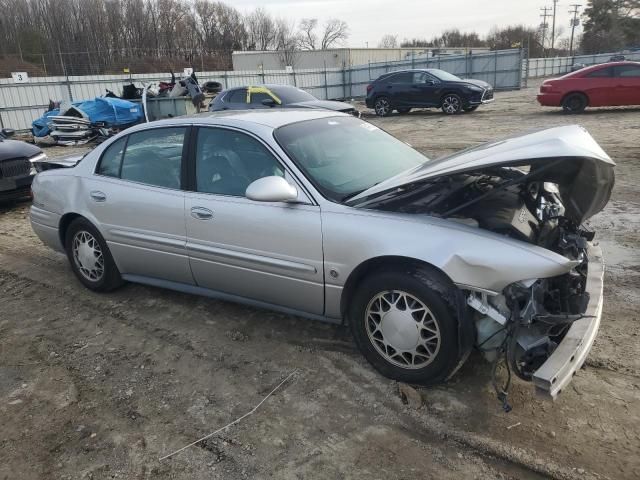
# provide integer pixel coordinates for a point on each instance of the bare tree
(335, 32)
(388, 41)
(261, 30)
(287, 42)
(308, 36)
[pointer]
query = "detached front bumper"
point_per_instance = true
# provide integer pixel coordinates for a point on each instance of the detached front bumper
(557, 372)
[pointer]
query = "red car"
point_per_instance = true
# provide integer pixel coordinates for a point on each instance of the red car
(608, 84)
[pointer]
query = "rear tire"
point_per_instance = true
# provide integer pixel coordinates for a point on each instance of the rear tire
(405, 324)
(403, 111)
(382, 106)
(451, 104)
(90, 258)
(574, 103)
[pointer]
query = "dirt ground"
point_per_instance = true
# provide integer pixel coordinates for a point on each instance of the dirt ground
(101, 386)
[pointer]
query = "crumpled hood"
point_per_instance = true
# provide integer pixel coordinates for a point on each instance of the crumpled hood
(325, 104)
(570, 157)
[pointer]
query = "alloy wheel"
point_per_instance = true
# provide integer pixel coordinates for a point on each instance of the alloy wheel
(402, 329)
(451, 104)
(383, 107)
(88, 256)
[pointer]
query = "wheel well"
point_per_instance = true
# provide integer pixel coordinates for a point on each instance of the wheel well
(65, 221)
(389, 262)
(449, 93)
(575, 93)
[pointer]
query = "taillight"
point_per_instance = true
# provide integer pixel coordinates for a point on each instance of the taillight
(369, 88)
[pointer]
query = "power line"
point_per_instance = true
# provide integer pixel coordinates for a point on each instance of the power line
(553, 27)
(574, 24)
(545, 13)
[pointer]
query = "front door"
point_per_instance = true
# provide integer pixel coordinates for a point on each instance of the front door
(626, 90)
(424, 90)
(265, 251)
(137, 202)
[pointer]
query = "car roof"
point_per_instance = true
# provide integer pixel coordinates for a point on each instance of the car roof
(267, 85)
(269, 118)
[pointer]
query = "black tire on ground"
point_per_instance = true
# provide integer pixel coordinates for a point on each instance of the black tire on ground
(435, 292)
(470, 108)
(574, 103)
(382, 106)
(403, 111)
(451, 104)
(84, 233)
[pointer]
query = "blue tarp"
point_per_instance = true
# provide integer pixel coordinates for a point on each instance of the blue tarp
(114, 112)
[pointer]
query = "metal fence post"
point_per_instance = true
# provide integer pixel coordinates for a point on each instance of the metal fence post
(344, 81)
(326, 83)
(495, 68)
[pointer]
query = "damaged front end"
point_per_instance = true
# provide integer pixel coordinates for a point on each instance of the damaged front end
(538, 189)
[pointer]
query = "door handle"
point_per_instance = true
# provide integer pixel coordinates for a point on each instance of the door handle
(98, 196)
(201, 213)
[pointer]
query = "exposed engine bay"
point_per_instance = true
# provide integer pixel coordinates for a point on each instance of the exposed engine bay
(539, 205)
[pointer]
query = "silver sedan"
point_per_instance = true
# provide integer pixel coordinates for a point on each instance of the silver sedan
(326, 216)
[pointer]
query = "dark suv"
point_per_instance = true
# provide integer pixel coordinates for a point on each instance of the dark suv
(18, 162)
(407, 89)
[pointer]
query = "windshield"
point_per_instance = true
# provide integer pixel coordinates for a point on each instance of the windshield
(292, 95)
(343, 156)
(444, 76)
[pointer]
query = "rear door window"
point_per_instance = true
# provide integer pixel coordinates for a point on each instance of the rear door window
(403, 77)
(257, 98)
(236, 96)
(602, 73)
(111, 159)
(154, 157)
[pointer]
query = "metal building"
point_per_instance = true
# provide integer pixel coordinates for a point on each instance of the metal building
(336, 57)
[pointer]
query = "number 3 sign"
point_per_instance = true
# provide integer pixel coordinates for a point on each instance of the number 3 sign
(20, 77)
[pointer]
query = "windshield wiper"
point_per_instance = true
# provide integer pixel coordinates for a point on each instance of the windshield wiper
(353, 194)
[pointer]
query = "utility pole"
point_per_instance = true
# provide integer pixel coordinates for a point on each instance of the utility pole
(545, 13)
(574, 24)
(553, 25)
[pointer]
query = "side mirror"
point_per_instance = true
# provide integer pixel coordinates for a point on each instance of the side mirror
(269, 102)
(271, 189)
(430, 82)
(8, 132)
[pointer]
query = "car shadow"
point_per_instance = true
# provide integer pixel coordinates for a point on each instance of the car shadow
(8, 205)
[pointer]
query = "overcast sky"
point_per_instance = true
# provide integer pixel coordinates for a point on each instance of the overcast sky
(370, 19)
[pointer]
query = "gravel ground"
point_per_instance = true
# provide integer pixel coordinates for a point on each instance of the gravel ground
(102, 386)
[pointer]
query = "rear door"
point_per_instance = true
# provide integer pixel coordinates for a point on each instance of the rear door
(265, 251)
(398, 87)
(627, 85)
(137, 200)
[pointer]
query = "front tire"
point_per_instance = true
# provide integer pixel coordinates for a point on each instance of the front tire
(90, 258)
(382, 107)
(405, 325)
(574, 103)
(451, 104)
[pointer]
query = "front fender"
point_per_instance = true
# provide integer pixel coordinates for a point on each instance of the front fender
(469, 256)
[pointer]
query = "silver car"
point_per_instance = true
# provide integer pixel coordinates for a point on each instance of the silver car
(326, 216)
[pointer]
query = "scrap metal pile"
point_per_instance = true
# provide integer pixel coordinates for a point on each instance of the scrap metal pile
(77, 123)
